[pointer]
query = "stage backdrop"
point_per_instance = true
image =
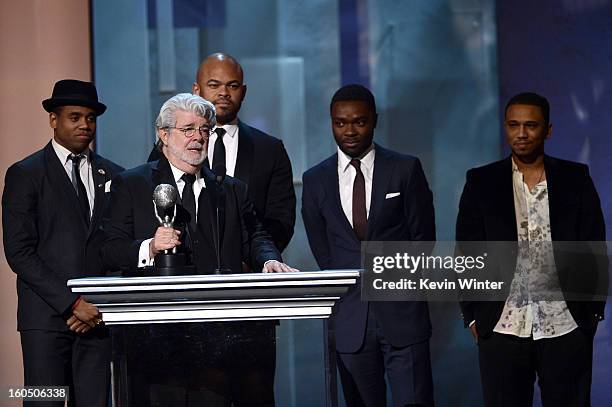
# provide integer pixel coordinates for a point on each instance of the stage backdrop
(562, 50)
(40, 43)
(433, 67)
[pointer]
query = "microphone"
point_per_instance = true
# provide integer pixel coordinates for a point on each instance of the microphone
(219, 171)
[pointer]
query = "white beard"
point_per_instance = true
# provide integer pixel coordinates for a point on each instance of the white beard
(189, 156)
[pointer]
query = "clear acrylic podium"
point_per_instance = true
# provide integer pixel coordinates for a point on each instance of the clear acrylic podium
(130, 304)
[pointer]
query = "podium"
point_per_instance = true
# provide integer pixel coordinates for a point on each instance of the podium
(131, 301)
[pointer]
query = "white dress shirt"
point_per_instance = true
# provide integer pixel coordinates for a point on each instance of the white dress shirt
(346, 178)
(84, 170)
(143, 253)
(230, 141)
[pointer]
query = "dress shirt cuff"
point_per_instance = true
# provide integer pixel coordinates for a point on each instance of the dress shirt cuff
(76, 303)
(143, 254)
(472, 323)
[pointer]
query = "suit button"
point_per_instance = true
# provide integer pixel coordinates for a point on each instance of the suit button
(196, 242)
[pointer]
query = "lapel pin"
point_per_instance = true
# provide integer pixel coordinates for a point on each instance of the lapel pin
(101, 171)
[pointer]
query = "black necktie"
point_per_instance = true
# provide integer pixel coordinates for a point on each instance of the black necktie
(360, 216)
(188, 199)
(219, 151)
(79, 187)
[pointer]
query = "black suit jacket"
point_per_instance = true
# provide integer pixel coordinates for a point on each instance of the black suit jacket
(263, 164)
(46, 240)
(131, 220)
(409, 216)
(486, 213)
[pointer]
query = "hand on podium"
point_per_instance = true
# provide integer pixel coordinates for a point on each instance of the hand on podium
(274, 266)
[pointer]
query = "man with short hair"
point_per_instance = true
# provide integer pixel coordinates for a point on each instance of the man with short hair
(248, 154)
(52, 203)
(365, 192)
(533, 198)
(135, 237)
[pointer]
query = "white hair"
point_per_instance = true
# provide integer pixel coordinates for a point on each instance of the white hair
(187, 103)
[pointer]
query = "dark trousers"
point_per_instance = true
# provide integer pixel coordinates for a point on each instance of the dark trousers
(81, 362)
(408, 371)
(563, 365)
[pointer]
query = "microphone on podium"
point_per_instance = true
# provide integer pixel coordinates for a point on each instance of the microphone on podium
(220, 172)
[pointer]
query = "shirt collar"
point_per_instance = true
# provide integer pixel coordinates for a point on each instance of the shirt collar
(515, 168)
(177, 174)
(63, 153)
(367, 161)
(517, 173)
(230, 129)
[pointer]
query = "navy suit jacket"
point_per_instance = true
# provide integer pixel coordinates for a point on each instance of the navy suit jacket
(407, 217)
(486, 213)
(46, 240)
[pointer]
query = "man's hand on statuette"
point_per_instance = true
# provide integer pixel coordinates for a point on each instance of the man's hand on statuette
(165, 238)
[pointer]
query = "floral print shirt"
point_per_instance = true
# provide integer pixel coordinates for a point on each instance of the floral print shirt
(526, 311)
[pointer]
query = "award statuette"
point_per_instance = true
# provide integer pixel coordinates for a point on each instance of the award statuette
(169, 262)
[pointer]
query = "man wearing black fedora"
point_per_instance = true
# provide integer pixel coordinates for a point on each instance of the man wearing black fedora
(52, 203)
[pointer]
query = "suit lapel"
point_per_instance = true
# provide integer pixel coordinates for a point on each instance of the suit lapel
(332, 190)
(558, 192)
(244, 158)
(383, 169)
(100, 177)
(59, 177)
(502, 189)
(162, 174)
(206, 207)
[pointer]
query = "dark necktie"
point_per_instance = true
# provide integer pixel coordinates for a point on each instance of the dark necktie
(219, 151)
(188, 199)
(79, 187)
(360, 215)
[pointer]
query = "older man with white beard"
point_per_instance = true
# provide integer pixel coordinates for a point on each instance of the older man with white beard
(135, 237)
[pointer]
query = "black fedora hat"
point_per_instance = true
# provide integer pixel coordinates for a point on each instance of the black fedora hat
(70, 92)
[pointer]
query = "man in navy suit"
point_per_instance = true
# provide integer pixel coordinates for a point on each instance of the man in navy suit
(534, 198)
(52, 204)
(366, 192)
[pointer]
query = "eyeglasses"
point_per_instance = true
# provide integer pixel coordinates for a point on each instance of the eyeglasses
(190, 131)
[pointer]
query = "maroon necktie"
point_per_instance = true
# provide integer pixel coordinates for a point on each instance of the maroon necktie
(360, 215)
